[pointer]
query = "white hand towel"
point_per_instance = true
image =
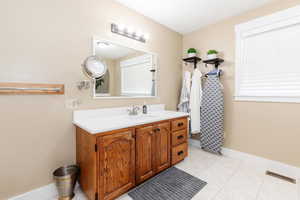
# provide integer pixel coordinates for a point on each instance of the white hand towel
(195, 101)
(187, 78)
(183, 105)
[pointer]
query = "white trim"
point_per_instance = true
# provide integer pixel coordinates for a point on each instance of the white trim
(269, 19)
(137, 60)
(41, 193)
(45, 192)
(263, 163)
(268, 99)
(278, 20)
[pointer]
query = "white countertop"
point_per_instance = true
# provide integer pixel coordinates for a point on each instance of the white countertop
(102, 120)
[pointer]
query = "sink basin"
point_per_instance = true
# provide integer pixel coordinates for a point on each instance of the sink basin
(141, 116)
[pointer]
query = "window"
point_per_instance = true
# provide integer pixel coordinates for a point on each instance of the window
(137, 70)
(267, 58)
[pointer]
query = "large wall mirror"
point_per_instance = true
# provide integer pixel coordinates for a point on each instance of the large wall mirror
(130, 72)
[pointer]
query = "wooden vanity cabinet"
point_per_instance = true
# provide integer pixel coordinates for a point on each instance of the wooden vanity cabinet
(152, 150)
(179, 139)
(111, 163)
(116, 163)
(107, 162)
(145, 153)
(162, 150)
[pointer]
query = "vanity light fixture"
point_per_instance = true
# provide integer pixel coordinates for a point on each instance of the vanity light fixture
(129, 32)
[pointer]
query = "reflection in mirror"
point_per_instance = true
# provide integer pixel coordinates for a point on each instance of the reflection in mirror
(130, 72)
(102, 84)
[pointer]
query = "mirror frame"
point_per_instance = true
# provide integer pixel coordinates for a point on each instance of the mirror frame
(126, 45)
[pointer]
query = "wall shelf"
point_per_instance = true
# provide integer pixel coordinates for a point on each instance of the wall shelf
(215, 61)
(31, 88)
(194, 60)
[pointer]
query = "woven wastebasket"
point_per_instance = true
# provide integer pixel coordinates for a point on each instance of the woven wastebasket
(65, 180)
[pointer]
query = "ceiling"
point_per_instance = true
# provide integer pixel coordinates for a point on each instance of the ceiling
(111, 51)
(185, 16)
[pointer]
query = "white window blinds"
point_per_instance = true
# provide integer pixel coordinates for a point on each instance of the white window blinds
(268, 52)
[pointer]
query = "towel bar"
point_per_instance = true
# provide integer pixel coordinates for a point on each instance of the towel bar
(31, 88)
(19, 88)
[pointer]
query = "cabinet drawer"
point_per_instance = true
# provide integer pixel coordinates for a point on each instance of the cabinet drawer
(179, 153)
(179, 137)
(179, 124)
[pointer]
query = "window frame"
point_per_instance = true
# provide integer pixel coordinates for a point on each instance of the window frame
(147, 60)
(278, 20)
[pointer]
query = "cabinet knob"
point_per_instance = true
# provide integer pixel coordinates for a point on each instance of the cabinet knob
(179, 153)
(179, 137)
(156, 129)
(180, 124)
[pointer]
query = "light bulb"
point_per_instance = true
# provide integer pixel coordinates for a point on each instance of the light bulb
(130, 30)
(139, 33)
(146, 36)
(133, 33)
(121, 28)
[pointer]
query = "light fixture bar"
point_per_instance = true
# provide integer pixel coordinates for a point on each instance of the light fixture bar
(127, 33)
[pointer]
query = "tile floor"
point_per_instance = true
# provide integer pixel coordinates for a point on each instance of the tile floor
(229, 179)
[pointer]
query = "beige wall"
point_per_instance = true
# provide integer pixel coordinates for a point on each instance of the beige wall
(270, 130)
(45, 42)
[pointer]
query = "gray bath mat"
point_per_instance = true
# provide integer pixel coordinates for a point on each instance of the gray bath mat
(172, 184)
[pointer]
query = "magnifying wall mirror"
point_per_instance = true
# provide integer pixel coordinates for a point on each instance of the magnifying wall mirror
(94, 68)
(129, 72)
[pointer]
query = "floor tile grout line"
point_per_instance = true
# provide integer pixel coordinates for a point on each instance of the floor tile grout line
(260, 187)
(213, 164)
(298, 189)
(229, 178)
(216, 160)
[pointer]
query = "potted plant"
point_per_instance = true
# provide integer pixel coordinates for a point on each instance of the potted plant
(99, 82)
(212, 54)
(192, 52)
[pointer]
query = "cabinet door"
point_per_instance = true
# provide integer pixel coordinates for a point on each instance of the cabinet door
(162, 134)
(117, 164)
(145, 149)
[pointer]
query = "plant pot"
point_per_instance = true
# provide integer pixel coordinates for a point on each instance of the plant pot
(192, 54)
(211, 56)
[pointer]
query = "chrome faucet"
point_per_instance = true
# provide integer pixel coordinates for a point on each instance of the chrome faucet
(133, 110)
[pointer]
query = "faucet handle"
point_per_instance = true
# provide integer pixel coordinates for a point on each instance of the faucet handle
(133, 110)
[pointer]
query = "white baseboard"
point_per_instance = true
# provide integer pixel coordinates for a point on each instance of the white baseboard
(263, 163)
(45, 192)
(266, 164)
